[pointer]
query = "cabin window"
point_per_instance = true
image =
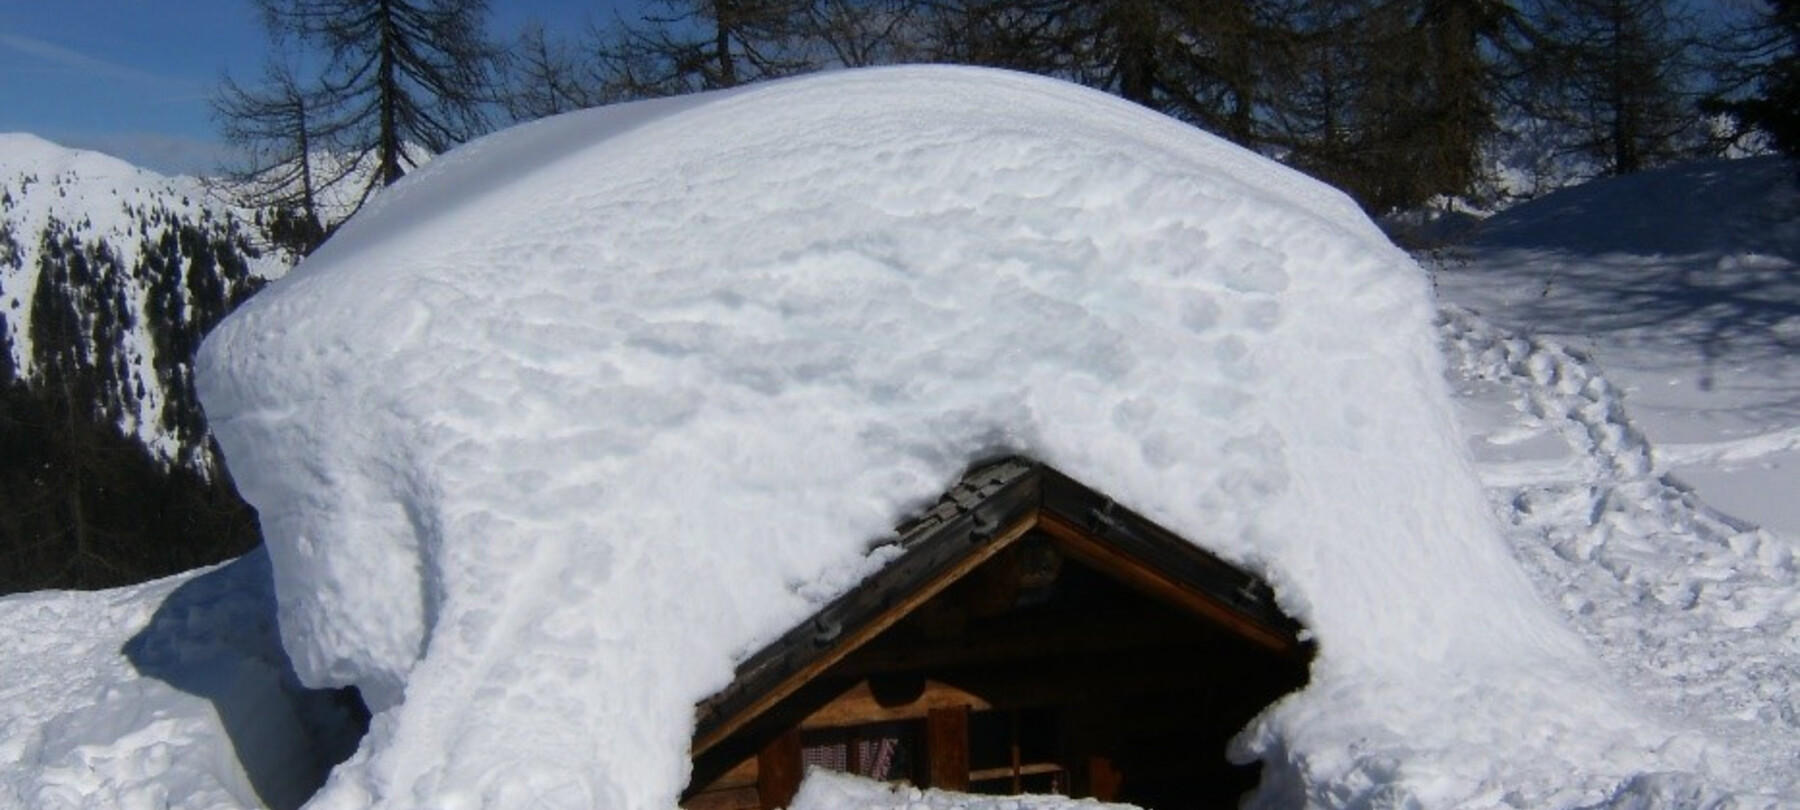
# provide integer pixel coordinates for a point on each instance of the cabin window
(1007, 752)
(881, 751)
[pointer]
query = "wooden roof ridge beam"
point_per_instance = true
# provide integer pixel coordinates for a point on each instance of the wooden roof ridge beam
(1119, 564)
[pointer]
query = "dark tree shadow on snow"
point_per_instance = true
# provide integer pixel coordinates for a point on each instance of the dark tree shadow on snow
(1704, 255)
(1707, 206)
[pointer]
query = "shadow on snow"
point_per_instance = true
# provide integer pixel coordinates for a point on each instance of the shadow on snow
(215, 637)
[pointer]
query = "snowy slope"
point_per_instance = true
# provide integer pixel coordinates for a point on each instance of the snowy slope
(1630, 361)
(132, 315)
(1683, 285)
(570, 421)
(174, 693)
(1698, 613)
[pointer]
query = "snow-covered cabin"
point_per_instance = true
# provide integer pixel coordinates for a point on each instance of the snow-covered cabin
(1031, 635)
(563, 431)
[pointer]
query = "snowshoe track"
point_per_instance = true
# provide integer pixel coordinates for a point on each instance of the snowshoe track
(1692, 609)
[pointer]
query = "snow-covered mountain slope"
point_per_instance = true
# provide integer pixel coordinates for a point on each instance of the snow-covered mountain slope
(569, 422)
(1684, 285)
(109, 276)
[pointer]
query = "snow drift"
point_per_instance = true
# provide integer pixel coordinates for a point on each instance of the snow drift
(583, 413)
(173, 693)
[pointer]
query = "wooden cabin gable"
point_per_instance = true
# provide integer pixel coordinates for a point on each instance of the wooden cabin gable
(1024, 613)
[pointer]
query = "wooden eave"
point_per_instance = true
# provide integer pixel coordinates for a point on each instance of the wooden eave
(989, 510)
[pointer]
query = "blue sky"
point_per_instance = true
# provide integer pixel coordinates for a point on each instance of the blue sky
(133, 77)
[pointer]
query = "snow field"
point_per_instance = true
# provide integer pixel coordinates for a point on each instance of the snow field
(1661, 516)
(1680, 283)
(829, 790)
(174, 693)
(1693, 610)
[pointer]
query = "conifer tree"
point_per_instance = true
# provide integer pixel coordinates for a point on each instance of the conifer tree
(685, 46)
(1761, 76)
(1396, 101)
(399, 79)
(1617, 79)
(1194, 59)
(82, 503)
(286, 140)
(549, 77)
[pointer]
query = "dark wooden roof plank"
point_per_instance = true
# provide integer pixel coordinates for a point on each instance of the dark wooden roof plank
(995, 502)
(948, 537)
(1158, 549)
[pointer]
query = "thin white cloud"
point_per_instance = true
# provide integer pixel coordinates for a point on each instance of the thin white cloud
(86, 63)
(158, 152)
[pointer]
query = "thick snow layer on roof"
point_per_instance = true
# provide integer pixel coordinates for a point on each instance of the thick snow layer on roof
(585, 412)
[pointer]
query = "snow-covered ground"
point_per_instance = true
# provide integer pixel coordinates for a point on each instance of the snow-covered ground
(170, 694)
(997, 197)
(1682, 285)
(1628, 363)
(1693, 609)
(826, 790)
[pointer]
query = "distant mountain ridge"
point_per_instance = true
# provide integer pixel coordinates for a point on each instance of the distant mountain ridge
(115, 272)
(110, 276)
